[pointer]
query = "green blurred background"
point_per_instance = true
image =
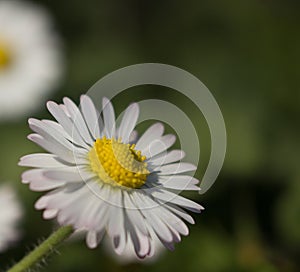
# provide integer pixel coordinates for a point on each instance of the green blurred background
(247, 54)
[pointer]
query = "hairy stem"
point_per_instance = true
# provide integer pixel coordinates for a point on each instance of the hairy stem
(43, 250)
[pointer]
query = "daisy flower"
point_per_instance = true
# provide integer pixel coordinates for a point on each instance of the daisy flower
(104, 179)
(30, 57)
(10, 213)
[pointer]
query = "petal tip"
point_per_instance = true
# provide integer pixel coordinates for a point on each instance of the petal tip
(50, 104)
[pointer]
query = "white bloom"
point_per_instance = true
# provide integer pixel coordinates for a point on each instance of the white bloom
(105, 180)
(30, 59)
(10, 213)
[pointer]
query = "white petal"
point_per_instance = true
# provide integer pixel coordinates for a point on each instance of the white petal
(102, 191)
(140, 242)
(170, 246)
(116, 222)
(65, 110)
(178, 182)
(159, 145)
(43, 160)
(173, 222)
(108, 118)
(102, 217)
(128, 122)
(91, 116)
(70, 205)
(102, 194)
(58, 149)
(116, 227)
(93, 238)
(38, 182)
(165, 158)
(175, 168)
(180, 212)
(41, 203)
(189, 187)
(167, 197)
(153, 220)
(60, 115)
(61, 199)
(50, 214)
(119, 243)
(48, 132)
(44, 185)
(70, 174)
(94, 215)
(152, 245)
(78, 120)
(133, 137)
(152, 133)
(33, 175)
(134, 214)
(58, 128)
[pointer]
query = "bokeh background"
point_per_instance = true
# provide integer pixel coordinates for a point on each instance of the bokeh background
(247, 54)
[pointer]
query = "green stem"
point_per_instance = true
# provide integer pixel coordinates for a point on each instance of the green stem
(43, 250)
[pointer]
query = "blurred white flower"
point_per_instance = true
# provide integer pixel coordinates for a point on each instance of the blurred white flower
(10, 213)
(30, 57)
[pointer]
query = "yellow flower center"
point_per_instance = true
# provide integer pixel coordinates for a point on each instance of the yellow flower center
(5, 55)
(117, 163)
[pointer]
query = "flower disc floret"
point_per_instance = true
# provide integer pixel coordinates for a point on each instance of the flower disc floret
(118, 164)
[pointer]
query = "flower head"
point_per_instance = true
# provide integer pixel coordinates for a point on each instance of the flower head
(30, 57)
(106, 180)
(10, 213)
